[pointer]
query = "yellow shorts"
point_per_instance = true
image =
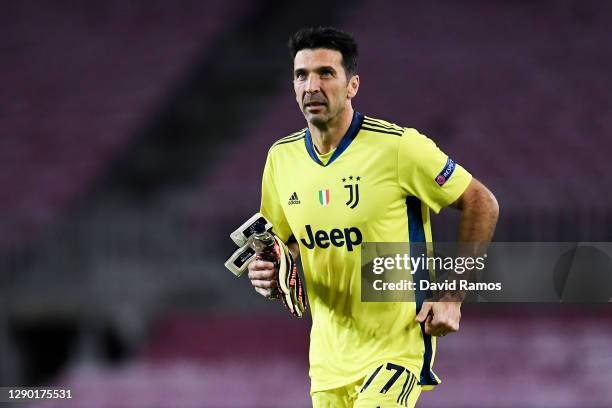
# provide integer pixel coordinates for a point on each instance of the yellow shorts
(389, 385)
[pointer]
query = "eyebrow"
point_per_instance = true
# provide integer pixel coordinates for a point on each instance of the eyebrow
(318, 69)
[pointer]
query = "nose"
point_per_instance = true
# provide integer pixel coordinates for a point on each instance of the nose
(313, 84)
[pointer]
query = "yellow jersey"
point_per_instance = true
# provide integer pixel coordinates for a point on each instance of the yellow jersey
(378, 185)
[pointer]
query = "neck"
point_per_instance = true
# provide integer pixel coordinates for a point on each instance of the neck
(328, 136)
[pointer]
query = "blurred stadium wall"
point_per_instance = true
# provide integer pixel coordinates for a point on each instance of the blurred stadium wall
(132, 140)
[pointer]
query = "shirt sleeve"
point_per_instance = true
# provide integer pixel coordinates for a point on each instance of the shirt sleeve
(426, 172)
(270, 204)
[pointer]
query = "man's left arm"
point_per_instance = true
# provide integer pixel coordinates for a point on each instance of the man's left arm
(479, 212)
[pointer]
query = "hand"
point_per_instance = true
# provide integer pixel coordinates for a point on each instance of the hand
(441, 317)
(264, 278)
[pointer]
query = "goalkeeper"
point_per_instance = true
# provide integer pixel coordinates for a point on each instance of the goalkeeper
(345, 179)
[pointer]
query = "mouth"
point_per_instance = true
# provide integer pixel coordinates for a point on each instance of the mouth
(314, 105)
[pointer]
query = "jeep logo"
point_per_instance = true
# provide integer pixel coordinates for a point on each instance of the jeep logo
(336, 237)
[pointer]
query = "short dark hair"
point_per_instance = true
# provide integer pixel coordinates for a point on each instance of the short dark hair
(330, 38)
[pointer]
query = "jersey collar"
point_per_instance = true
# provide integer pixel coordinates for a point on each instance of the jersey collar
(350, 135)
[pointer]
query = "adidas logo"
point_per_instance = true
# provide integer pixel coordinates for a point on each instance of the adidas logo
(294, 199)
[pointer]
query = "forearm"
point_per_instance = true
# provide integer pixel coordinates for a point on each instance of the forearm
(479, 213)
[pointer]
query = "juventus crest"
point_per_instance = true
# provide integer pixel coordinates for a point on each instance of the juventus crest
(352, 185)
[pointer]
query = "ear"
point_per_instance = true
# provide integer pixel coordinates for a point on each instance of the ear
(353, 86)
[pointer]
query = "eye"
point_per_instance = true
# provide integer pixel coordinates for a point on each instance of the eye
(300, 76)
(326, 73)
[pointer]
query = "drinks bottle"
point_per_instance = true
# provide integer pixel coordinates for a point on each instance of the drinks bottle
(264, 245)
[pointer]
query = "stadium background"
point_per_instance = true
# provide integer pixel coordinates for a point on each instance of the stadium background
(132, 140)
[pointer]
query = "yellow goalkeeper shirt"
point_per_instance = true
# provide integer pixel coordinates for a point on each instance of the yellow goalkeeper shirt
(377, 186)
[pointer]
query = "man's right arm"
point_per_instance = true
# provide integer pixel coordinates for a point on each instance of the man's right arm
(262, 274)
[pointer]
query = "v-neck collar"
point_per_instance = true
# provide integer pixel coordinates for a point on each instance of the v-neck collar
(348, 137)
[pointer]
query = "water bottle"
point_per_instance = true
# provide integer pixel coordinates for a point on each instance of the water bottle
(264, 245)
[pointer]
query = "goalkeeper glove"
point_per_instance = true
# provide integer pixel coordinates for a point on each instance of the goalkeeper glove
(255, 232)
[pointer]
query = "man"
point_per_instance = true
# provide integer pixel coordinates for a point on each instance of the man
(347, 179)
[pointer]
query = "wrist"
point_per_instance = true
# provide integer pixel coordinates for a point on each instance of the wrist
(453, 296)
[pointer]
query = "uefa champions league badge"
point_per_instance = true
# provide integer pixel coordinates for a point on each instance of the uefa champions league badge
(446, 172)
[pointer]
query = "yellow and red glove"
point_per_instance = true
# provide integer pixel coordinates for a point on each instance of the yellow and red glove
(289, 281)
